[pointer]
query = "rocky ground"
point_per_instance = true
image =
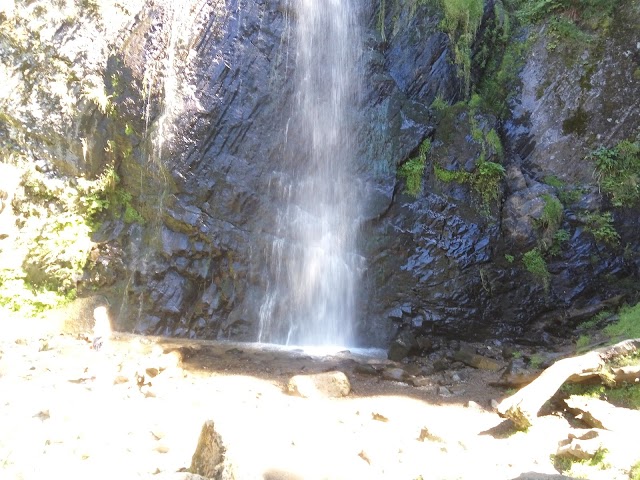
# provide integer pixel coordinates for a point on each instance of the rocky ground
(135, 408)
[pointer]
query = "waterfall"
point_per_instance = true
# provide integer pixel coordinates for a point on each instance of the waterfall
(311, 294)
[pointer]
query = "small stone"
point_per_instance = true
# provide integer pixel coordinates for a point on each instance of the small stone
(444, 392)
(396, 374)
(379, 417)
(364, 457)
(420, 381)
(120, 379)
(161, 449)
(43, 415)
(425, 434)
(476, 361)
(494, 404)
(328, 385)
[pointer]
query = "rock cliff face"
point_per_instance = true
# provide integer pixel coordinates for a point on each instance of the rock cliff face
(200, 101)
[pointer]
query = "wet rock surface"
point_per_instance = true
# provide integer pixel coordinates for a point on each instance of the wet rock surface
(437, 265)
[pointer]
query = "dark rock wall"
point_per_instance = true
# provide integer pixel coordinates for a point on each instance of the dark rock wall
(438, 263)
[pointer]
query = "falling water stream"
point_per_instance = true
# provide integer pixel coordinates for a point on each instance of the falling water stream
(314, 266)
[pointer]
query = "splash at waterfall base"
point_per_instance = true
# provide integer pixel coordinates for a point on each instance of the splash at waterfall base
(135, 410)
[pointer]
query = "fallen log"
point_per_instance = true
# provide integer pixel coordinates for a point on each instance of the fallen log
(523, 406)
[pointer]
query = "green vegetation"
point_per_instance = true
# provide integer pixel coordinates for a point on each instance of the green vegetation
(55, 219)
(628, 326)
(634, 474)
(461, 21)
(536, 360)
(486, 180)
(627, 395)
(553, 181)
(600, 225)
(497, 86)
(448, 176)
(559, 239)
(413, 169)
(618, 172)
(603, 315)
(494, 142)
(509, 258)
(551, 213)
(487, 176)
(439, 104)
(581, 468)
(535, 264)
(567, 194)
(590, 13)
(583, 342)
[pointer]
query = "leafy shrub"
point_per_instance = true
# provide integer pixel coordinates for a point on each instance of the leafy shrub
(439, 104)
(583, 342)
(618, 172)
(559, 239)
(413, 169)
(448, 176)
(551, 213)
(553, 181)
(535, 264)
(486, 180)
(600, 225)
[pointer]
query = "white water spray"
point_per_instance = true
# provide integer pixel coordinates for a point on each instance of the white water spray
(311, 296)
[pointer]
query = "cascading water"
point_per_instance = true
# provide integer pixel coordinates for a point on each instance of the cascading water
(311, 294)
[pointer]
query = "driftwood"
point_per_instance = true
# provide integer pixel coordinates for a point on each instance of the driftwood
(522, 407)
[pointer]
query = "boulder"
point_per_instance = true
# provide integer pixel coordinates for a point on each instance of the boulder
(208, 459)
(319, 385)
(521, 212)
(476, 361)
(401, 346)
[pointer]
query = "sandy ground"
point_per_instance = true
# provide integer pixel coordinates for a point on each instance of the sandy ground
(131, 411)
